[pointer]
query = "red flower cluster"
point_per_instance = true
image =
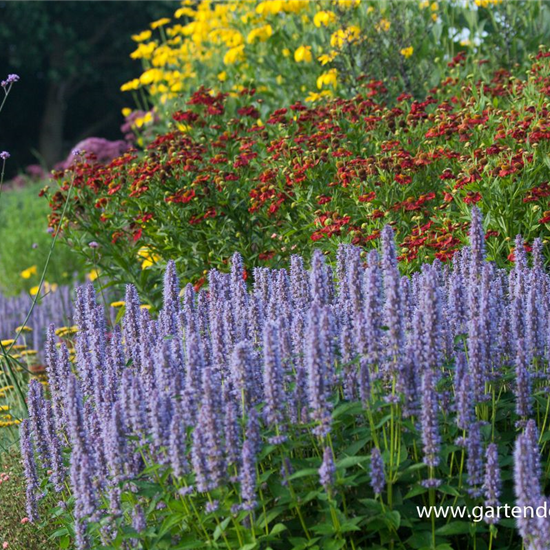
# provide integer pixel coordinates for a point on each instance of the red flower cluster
(334, 171)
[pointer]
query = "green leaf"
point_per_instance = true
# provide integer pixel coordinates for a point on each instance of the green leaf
(415, 491)
(278, 528)
(454, 528)
(350, 461)
(221, 528)
(303, 473)
(392, 519)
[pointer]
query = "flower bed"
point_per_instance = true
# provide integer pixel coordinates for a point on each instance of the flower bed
(316, 410)
(222, 180)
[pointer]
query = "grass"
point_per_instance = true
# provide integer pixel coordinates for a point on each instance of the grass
(18, 536)
(24, 242)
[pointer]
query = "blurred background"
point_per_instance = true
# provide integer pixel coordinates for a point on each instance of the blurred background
(72, 57)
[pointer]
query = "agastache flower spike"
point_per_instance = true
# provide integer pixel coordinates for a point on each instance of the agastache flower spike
(177, 449)
(29, 464)
(474, 463)
(316, 361)
(393, 314)
(211, 426)
(248, 476)
(524, 397)
(171, 307)
(130, 323)
(430, 427)
(319, 278)
(54, 449)
(273, 376)
(299, 284)
(477, 243)
(327, 471)
(35, 401)
(527, 489)
(377, 476)
(492, 485)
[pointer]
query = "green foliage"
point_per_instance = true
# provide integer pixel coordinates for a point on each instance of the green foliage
(25, 242)
(336, 172)
(17, 535)
(405, 43)
(295, 512)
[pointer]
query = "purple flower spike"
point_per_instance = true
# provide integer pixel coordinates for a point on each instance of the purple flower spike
(377, 476)
(493, 483)
(248, 476)
(273, 376)
(327, 471)
(29, 464)
(430, 427)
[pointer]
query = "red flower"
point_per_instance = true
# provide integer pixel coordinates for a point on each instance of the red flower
(472, 198)
(403, 179)
(367, 198)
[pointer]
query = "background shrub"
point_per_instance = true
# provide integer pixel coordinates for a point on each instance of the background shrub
(25, 243)
(334, 172)
(290, 50)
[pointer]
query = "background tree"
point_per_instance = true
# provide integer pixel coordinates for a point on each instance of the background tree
(72, 57)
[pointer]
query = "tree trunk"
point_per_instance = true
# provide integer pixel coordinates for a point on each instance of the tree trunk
(50, 143)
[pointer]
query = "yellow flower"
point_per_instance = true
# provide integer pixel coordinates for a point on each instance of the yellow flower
(126, 112)
(7, 343)
(185, 11)
(160, 23)
(383, 25)
(424, 4)
(407, 52)
(329, 78)
(347, 4)
(34, 290)
(145, 306)
(222, 77)
(118, 304)
(260, 34)
(286, 52)
(93, 275)
(324, 18)
(145, 35)
(234, 55)
(150, 76)
(314, 96)
(326, 58)
(271, 7)
(303, 54)
(144, 120)
(24, 328)
(29, 272)
(345, 36)
(149, 258)
(434, 6)
(132, 85)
